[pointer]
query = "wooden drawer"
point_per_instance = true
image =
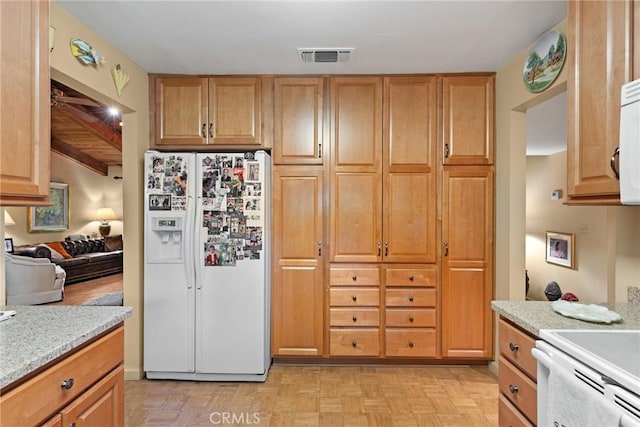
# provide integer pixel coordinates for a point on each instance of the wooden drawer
(509, 416)
(411, 277)
(411, 298)
(354, 317)
(410, 342)
(355, 297)
(518, 388)
(354, 342)
(359, 276)
(516, 346)
(40, 397)
(411, 317)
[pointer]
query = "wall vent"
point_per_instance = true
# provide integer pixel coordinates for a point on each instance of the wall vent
(325, 54)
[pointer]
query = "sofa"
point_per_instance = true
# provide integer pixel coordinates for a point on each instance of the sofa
(81, 258)
(32, 280)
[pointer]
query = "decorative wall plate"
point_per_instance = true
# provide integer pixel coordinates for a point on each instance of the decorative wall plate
(544, 61)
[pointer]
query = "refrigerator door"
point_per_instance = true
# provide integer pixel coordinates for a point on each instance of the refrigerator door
(169, 278)
(232, 320)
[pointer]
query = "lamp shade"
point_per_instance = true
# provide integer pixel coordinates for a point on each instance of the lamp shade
(7, 219)
(105, 214)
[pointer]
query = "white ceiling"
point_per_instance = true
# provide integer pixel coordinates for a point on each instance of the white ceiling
(261, 37)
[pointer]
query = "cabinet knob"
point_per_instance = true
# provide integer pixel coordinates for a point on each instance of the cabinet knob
(513, 347)
(204, 130)
(410, 318)
(66, 384)
(411, 278)
(354, 344)
(354, 318)
(354, 277)
(410, 298)
(210, 130)
(513, 388)
(354, 298)
(410, 344)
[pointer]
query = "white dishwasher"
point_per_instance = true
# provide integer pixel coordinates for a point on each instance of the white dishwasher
(588, 378)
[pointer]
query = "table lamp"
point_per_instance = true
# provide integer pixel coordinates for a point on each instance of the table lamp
(7, 219)
(104, 215)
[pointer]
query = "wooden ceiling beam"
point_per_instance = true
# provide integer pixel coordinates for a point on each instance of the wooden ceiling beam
(78, 156)
(97, 127)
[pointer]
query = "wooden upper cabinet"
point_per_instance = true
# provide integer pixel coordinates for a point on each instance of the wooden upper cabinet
(467, 262)
(600, 60)
(298, 253)
(25, 111)
(409, 171)
(298, 121)
(468, 120)
(208, 111)
(356, 169)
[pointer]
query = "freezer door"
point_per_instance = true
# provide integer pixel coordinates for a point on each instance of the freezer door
(232, 286)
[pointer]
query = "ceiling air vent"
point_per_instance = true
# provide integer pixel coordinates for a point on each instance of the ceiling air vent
(325, 54)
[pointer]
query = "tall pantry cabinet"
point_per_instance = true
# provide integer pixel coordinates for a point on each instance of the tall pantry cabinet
(467, 216)
(298, 211)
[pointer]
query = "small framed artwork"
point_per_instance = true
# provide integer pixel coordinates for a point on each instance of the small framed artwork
(8, 245)
(54, 217)
(560, 249)
(160, 202)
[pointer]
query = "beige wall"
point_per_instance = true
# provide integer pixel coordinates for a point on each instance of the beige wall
(98, 83)
(88, 191)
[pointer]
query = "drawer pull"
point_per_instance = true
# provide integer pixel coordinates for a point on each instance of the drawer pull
(410, 298)
(66, 384)
(354, 318)
(411, 278)
(410, 318)
(204, 130)
(354, 298)
(354, 277)
(513, 388)
(410, 344)
(354, 344)
(513, 347)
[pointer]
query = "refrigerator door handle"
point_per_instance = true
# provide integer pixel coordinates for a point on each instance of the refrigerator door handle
(188, 247)
(196, 263)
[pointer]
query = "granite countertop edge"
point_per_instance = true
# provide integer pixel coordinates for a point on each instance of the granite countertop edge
(24, 351)
(533, 316)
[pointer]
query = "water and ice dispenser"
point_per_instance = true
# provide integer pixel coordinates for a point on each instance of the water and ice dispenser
(165, 240)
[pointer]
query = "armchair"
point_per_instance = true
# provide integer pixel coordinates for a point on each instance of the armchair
(33, 280)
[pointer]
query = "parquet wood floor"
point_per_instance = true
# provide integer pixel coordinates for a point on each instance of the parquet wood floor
(331, 396)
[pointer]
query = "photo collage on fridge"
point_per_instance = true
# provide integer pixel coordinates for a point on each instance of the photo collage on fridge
(232, 209)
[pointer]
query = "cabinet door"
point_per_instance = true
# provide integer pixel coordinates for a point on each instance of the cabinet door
(181, 111)
(409, 190)
(101, 405)
(25, 111)
(356, 165)
(600, 59)
(297, 284)
(235, 106)
(298, 127)
(467, 262)
(468, 120)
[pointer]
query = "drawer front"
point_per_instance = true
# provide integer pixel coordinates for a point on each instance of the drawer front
(518, 388)
(509, 416)
(516, 346)
(410, 342)
(411, 317)
(361, 276)
(37, 399)
(354, 317)
(411, 298)
(354, 297)
(411, 277)
(354, 342)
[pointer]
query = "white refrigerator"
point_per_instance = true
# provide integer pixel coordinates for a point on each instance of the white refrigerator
(206, 276)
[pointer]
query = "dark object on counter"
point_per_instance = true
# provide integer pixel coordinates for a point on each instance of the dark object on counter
(569, 297)
(552, 291)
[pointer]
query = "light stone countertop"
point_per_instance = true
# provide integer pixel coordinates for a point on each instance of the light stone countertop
(37, 335)
(535, 315)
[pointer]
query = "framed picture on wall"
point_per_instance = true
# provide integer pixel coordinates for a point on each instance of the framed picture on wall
(560, 249)
(54, 217)
(8, 245)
